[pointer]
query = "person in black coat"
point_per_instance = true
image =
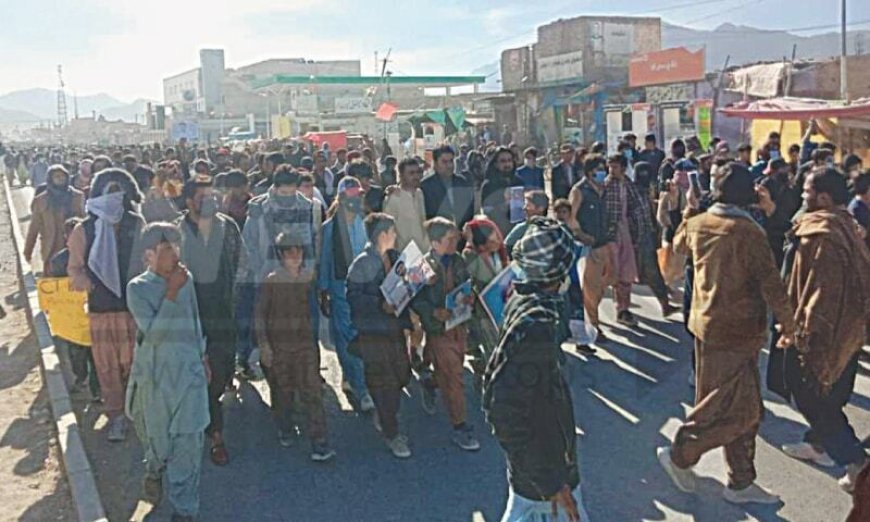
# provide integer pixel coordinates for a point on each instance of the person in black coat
(381, 340)
(563, 175)
(446, 193)
(500, 176)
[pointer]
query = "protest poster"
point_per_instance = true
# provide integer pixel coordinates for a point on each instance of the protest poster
(517, 201)
(496, 294)
(408, 275)
(460, 303)
(65, 308)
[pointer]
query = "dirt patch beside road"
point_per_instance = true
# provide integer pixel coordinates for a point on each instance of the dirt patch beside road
(33, 484)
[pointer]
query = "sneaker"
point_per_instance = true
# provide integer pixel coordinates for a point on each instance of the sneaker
(117, 429)
(152, 490)
(601, 338)
(366, 404)
(626, 318)
(321, 452)
(427, 398)
(847, 483)
(286, 438)
(806, 451)
(585, 349)
(464, 438)
(753, 494)
(684, 479)
(668, 310)
(399, 447)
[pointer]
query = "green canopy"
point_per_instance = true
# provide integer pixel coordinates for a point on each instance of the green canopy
(452, 119)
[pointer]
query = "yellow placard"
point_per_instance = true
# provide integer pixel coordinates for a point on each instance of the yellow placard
(66, 309)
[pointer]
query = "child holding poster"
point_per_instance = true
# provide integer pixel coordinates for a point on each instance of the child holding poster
(445, 348)
(80, 357)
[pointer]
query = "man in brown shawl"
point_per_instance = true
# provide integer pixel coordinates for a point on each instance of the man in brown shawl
(829, 288)
(733, 281)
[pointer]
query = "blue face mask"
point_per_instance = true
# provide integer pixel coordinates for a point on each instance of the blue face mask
(774, 154)
(628, 153)
(599, 176)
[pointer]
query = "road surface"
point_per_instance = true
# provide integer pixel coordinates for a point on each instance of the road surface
(629, 399)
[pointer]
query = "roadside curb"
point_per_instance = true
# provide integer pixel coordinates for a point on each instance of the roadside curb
(79, 474)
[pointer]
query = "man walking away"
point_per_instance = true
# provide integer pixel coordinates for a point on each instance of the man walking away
(733, 281)
(533, 420)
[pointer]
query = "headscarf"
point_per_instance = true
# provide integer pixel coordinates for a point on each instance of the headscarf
(59, 197)
(108, 208)
(545, 252)
(480, 223)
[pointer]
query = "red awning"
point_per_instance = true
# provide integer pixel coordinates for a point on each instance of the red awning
(796, 109)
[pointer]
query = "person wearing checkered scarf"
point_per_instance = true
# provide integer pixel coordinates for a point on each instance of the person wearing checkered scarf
(526, 399)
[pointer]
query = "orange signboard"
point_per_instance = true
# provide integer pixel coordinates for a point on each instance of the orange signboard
(668, 66)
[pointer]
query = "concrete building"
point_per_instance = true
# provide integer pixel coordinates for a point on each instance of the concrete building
(210, 99)
(561, 82)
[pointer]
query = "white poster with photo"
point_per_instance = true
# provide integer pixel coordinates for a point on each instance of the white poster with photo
(460, 302)
(407, 277)
(517, 201)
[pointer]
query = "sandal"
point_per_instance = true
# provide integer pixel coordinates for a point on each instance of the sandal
(219, 455)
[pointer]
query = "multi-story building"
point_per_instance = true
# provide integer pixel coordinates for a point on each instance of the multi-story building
(562, 81)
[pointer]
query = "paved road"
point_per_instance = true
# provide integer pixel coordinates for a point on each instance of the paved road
(628, 400)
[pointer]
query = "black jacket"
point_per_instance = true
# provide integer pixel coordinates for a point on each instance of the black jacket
(528, 404)
(560, 184)
(438, 204)
(492, 199)
(364, 279)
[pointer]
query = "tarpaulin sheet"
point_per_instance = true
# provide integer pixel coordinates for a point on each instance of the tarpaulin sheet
(797, 109)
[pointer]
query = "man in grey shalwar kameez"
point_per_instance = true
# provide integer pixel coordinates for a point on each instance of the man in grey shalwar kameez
(167, 394)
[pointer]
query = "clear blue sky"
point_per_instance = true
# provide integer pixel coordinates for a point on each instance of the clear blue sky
(126, 47)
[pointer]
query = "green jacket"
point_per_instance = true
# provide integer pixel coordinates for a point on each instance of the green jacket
(431, 297)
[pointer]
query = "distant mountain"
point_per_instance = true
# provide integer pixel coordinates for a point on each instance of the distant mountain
(42, 103)
(132, 112)
(14, 117)
(749, 44)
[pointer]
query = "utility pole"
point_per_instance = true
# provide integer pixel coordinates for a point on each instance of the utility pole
(844, 93)
(61, 99)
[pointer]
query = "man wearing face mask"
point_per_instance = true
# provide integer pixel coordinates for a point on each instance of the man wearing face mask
(212, 250)
(282, 209)
(588, 222)
(344, 238)
(103, 257)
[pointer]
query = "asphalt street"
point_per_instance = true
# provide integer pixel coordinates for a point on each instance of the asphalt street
(629, 399)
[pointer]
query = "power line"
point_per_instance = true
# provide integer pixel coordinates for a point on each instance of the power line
(717, 13)
(680, 6)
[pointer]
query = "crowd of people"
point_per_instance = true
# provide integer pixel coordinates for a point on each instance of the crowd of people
(195, 260)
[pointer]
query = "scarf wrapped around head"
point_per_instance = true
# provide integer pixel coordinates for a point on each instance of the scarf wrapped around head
(108, 208)
(479, 223)
(545, 252)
